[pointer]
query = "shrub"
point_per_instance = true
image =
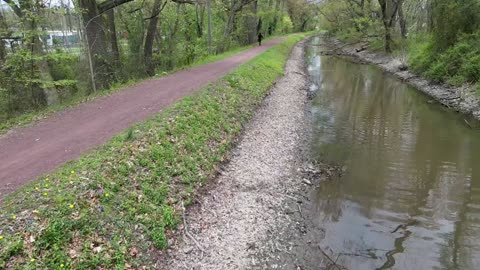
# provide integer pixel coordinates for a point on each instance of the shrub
(62, 65)
(455, 65)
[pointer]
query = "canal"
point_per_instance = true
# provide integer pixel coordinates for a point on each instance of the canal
(410, 194)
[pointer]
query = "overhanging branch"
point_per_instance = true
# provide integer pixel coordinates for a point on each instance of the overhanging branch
(191, 2)
(109, 4)
(158, 13)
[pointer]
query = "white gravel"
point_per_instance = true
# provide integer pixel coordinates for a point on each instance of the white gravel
(234, 220)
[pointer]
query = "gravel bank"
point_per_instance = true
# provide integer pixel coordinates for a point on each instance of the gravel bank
(240, 222)
(462, 99)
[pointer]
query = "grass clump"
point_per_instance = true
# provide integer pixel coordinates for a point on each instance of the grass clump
(116, 207)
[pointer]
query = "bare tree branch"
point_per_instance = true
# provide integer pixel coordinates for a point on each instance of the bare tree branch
(158, 13)
(137, 9)
(191, 2)
(107, 5)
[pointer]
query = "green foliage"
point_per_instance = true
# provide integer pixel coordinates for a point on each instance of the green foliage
(62, 65)
(442, 39)
(40, 74)
(421, 54)
(452, 19)
(457, 65)
(286, 25)
(124, 198)
(22, 82)
(350, 23)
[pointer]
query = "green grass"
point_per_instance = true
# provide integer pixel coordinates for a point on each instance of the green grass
(456, 65)
(116, 207)
(29, 117)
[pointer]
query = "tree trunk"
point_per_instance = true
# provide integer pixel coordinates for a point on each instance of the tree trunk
(403, 23)
(38, 67)
(95, 35)
(273, 27)
(430, 16)
(199, 15)
(150, 38)
(303, 27)
(3, 29)
(389, 11)
(252, 23)
(388, 40)
(231, 19)
(3, 52)
(113, 38)
(228, 29)
(171, 41)
(209, 25)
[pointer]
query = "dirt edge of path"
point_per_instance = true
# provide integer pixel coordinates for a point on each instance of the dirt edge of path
(255, 214)
(462, 99)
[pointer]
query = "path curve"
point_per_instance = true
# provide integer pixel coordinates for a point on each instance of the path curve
(28, 152)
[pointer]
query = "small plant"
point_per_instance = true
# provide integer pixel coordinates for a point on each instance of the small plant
(130, 135)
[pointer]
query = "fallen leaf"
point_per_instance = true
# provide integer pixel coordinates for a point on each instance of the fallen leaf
(72, 253)
(133, 252)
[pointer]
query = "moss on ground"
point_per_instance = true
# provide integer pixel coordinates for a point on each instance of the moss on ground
(116, 207)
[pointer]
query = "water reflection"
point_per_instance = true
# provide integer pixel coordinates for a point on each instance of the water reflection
(410, 197)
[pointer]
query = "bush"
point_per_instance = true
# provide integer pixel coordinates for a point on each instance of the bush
(62, 65)
(455, 65)
(420, 54)
(22, 80)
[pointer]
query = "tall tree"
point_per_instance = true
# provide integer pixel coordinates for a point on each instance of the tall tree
(402, 21)
(232, 9)
(113, 38)
(158, 6)
(4, 33)
(209, 26)
(252, 22)
(389, 10)
(199, 15)
(94, 27)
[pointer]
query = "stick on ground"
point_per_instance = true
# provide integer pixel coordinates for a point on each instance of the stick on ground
(187, 233)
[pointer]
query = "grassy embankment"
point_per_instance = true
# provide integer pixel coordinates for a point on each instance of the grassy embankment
(29, 117)
(116, 207)
(456, 65)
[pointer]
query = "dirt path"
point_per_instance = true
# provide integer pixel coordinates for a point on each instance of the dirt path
(241, 223)
(26, 153)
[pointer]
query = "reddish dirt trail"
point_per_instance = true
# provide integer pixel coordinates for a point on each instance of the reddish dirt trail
(26, 153)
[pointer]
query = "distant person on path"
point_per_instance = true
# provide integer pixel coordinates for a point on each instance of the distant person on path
(260, 37)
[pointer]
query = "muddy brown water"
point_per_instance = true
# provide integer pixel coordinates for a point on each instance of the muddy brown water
(410, 194)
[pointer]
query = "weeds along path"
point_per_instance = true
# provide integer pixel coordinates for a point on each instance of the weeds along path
(26, 153)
